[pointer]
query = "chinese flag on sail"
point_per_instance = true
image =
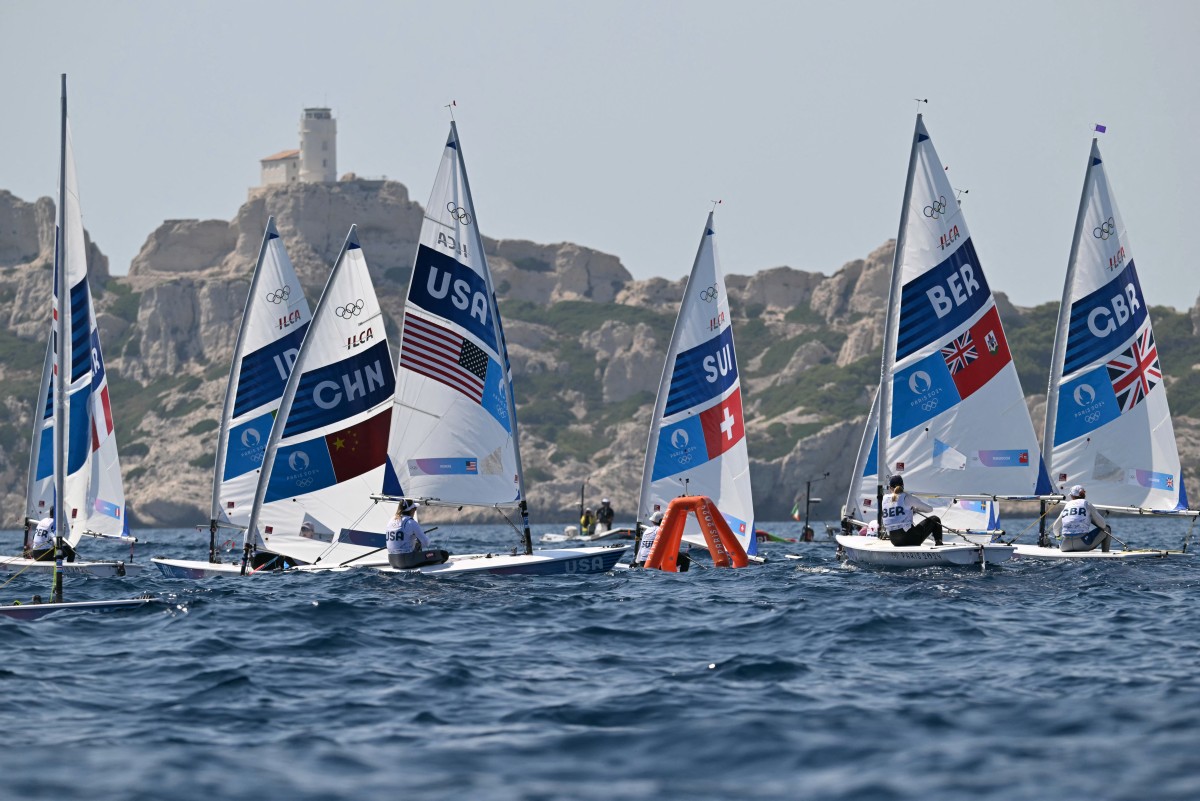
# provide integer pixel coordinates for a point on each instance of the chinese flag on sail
(990, 354)
(361, 447)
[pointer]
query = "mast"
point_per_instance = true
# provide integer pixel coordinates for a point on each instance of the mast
(285, 403)
(231, 388)
(60, 362)
(892, 323)
(502, 346)
(39, 425)
(1059, 355)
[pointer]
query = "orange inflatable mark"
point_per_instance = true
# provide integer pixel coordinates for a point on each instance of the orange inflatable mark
(725, 549)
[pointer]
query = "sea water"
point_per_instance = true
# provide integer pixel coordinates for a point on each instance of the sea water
(799, 679)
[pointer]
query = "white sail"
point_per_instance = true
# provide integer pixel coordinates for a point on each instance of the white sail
(273, 327)
(953, 419)
(862, 502)
(93, 497)
(1108, 426)
(697, 441)
(39, 488)
(454, 436)
(325, 454)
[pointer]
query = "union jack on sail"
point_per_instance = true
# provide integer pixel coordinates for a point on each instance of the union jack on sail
(1135, 371)
(960, 352)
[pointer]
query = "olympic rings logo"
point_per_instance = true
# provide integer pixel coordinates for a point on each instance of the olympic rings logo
(279, 295)
(1092, 417)
(709, 295)
(1106, 229)
(930, 404)
(936, 208)
(350, 309)
(458, 213)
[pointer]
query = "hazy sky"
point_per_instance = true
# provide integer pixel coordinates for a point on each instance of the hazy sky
(614, 124)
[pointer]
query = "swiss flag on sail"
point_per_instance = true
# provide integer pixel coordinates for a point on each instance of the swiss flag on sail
(722, 424)
(991, 354)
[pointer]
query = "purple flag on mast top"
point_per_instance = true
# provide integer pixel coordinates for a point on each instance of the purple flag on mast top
(1101, 128)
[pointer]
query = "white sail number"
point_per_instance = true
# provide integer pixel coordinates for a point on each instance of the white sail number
(1103, 320)
(718, 364)
(462, 297)
(961, 286)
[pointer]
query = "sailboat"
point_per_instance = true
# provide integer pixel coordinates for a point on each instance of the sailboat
(274, 322)
(952, 418)
(697, 440)
(86, 492)
(454, 438)
(969, 519)
(1108, 425)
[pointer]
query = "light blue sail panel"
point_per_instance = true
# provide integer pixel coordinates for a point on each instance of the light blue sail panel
(922, 392)
(443, 286)
(246, 444)
(941, 300)
(702, 373)
(1104, 320)
(1085, 404)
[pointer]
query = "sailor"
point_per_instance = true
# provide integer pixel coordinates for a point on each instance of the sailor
(1080, 524)
(604, 515)
(43, 541)
(587, 523)
(648, 535)
(898, 511)
(407, 543)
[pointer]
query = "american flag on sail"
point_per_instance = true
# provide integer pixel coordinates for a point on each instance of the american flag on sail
(960, 352)
(443, 355)
(1135, 371)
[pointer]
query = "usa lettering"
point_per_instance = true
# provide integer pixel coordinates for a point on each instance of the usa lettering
(360, 338)
(291, 319)
(450, 243)
(1103, 320)
(718, 364)
(329, 394)
(460, 294)
(960, 285)
(948, 237)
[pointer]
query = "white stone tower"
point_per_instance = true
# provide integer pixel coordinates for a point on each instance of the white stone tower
(318, 146)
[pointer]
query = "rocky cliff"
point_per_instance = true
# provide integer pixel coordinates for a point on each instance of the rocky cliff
(586, 344)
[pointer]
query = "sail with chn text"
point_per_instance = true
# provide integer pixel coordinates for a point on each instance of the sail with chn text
(958, 422)
(697, 442)
(274, 322)
(325, 456)
(1107, 420)
(93, 492)
(454, 436)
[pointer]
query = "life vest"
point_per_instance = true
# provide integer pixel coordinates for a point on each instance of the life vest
(1076, 519)
(897, 514)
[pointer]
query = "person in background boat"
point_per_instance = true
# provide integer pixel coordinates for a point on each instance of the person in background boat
(604, 516)
(43, 542)
(1080, 524)
(898, 508)
(587, 523)
(647, 541)
(407, 543)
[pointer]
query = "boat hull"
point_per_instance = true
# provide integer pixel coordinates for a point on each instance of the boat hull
(35, 611)
(190, 569)
(552, 562)
(1054, 554)
(874, 551)
(77, 568)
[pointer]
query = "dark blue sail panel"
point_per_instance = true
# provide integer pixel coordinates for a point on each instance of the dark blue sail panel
(332, 393)
(1105, 319)
(940, 300)
(442, 286)
(79, 428)
(265, 371)
(702, 373)
(81, 351)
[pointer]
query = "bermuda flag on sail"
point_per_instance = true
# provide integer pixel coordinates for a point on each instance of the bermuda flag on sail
(722, 425)
(975, 357)
(1135, 371)
(443, 355)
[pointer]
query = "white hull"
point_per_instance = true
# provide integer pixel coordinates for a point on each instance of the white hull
(874, 551)
(561, 561)
(16, 564)
(34, 611)
(190, 569)
(1037, 552)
